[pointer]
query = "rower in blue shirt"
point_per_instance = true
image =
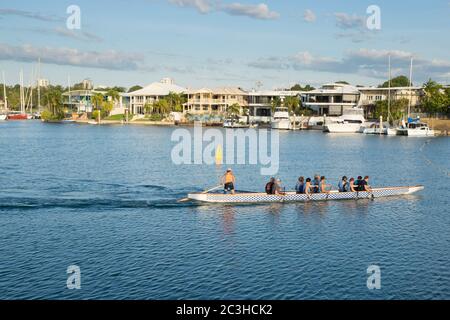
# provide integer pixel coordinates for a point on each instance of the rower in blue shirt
(343, 185)
(316, 184)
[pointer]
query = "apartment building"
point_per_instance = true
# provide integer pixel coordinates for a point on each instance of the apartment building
(214, 101)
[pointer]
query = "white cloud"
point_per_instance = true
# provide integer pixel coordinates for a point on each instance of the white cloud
(309, 16)
(258, 11)
(364, 62)
(75, 34)
(111, 59)
(203, 6)
(29, 15)
(346, 21)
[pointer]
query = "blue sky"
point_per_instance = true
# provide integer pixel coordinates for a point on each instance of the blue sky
(225, 42)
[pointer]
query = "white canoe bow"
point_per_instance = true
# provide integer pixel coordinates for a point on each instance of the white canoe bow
(294, 197)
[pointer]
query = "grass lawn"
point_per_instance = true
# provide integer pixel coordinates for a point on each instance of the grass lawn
(116, 117)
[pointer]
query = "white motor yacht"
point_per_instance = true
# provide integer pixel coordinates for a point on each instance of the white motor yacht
(281, 119)
(352, 121)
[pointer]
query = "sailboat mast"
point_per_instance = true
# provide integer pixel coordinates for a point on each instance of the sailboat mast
(389, 90)
(70, 100)
(410, 88)
(4, 91)
(39, 85)
(22, 99)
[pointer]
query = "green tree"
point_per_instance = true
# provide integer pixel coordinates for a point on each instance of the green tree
(107, 107)
(435, 99)
(54, 109)
(276, 103)
(175, 101)
(400, 81)
(298, 87)
(292, 103)
(148, 107)
(398, 109)
(114, 94)
(234, 110)
(161, 107)
(97, 100)
(134, 88)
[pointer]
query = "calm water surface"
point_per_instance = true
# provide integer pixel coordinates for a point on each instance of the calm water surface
(104, 198)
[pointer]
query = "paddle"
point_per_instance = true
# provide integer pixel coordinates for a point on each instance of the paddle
(206, 191)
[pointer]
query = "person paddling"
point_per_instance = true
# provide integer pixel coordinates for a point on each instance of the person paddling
(323, 185)
(269, 185)
(316, 184)
(228, 181)
(364, 185)
(357, 182)
(300, 186)
(276, 188)
(352, 186)
(343, 185)
(308, 187)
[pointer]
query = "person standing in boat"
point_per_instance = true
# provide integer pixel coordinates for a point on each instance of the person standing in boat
(364, 185)
(316, 184)
(228, 181)
(300, 186)
(343, 185)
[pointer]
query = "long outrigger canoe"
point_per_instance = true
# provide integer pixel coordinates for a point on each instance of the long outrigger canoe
(293, 197)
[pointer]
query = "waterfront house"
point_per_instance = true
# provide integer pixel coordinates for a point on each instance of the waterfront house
(81, 101)
(332, 99)
(214, 101)
(152, 93)
(260, 103)
(371, 95)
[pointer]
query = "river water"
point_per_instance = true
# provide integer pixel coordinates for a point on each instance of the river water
(104, 198)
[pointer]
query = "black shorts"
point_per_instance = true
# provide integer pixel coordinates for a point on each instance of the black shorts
(229, 186)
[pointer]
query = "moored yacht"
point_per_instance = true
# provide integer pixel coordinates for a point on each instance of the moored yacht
(3, 117)
(352, 121)
(281, 119)
(17, 116)
(415, 128)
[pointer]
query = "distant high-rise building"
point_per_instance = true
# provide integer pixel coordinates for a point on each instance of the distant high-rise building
(43, 83)
(88, 84)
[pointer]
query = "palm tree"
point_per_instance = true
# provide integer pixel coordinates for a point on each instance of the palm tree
(234, 110)
(97, 100)
(148, 107)
(115, 95)
(176, 101)
(292, 103)
(54, 102)
(162, 106)
(276, 103)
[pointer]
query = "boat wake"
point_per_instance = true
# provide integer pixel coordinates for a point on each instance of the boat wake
(100, 204)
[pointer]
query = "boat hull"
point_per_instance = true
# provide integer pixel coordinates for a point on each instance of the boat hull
(415, 132)
(3, 117)
(343, 128)
(284, 124)
(293, 197)
(20, 116)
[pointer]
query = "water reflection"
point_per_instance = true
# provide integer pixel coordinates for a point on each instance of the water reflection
(228, 214)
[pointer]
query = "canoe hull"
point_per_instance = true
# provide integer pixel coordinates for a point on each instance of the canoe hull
(293, 197)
